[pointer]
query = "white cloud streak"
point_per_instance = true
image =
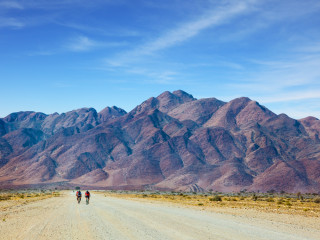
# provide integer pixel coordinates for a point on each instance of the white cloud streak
(291, 96)
(272, 76)
(191, 29)
(11, 5)
(311, 48)
(11, 22)
(185, 31)
(81, 44)
(66, 4)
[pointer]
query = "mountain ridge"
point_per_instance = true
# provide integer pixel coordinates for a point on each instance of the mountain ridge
(173, 141)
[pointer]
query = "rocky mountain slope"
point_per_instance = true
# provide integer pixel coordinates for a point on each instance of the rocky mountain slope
(173, 141)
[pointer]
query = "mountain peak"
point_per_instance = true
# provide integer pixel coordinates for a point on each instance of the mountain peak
(184, 95)
(165, 102)
(309, 119)
(110, 113)
(169, 101)
(24, 115)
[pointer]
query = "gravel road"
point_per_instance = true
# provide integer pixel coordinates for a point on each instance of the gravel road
(114, 218)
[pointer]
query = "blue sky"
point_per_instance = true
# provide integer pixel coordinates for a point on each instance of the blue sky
(56, 56)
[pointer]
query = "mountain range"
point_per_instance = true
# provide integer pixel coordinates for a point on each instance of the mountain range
(170, 142)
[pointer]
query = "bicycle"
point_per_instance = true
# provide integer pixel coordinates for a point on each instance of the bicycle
(87, 200)
(79, 200)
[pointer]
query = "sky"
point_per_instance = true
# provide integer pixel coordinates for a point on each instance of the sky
(56, 56)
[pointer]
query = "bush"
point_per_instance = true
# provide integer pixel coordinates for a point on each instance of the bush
(288, 204)
(216, 199)
(279, 201)
(317, 200)
(254, 198)
(270, 199)
(4, 197)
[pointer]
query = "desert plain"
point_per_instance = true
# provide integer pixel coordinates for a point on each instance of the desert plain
(158, 215)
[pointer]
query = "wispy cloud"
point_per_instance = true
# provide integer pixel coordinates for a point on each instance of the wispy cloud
(11, 4)
(311, 48)
(279, 75)
(218, 15)
(193, 28)
(11, 22)
(187, 30)
(283, 84)
(81, 44)
(119, 32)
(57, 5)
(291, 96)
(84, 43)
(45, 11)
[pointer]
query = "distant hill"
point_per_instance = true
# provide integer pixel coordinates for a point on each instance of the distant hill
(171, 142)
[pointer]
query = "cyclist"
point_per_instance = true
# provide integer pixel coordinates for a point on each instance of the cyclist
(78, 194)
(87, 195)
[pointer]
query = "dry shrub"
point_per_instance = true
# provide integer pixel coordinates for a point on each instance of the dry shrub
(280, 201)
(288, 204)
(4, 197)
(317, 200)
(216, 199)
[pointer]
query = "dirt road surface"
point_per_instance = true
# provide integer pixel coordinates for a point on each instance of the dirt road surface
(115, 218)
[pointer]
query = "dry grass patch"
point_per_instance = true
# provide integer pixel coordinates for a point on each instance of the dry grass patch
(14, 198)
(288, 204)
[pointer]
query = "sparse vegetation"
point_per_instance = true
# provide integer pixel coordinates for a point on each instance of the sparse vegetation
(270, 199)
(27, 195)
(4, 197)
(254, 197)
(280, 201)
(216, 198)
(306, 204)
